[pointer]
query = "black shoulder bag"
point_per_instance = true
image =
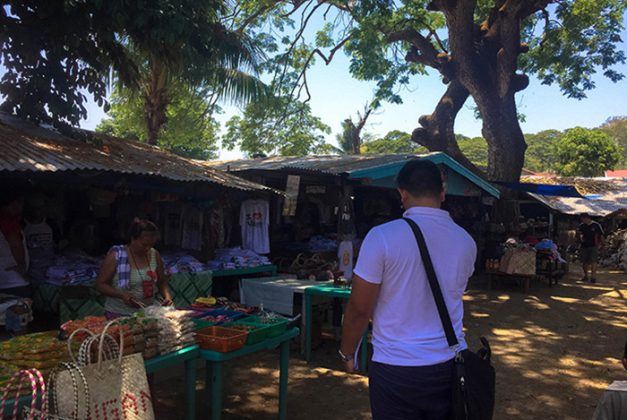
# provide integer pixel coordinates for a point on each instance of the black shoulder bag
(474, 380)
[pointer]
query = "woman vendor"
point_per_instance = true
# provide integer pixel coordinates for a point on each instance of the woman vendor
(130, 273)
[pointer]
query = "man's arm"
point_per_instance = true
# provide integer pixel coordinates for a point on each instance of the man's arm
(359, 310)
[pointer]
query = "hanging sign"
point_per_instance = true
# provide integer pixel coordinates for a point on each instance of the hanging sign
(291, 195)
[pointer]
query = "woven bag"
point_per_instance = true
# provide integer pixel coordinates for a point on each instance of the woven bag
(19, 382)
(118, 387)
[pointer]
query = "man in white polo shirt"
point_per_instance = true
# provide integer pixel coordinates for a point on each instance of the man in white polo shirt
(412, 370)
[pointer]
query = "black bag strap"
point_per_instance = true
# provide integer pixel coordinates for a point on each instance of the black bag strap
(445, 318)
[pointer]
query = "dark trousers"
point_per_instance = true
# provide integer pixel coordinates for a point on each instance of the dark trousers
(411, 393)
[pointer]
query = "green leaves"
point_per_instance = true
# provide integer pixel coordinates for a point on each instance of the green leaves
(395, 141)
(584, 152)
(277, 126)
(579, 38)
(54, 50)
(190, 130)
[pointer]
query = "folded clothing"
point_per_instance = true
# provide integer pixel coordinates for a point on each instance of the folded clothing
(234, 258)
(182, 263)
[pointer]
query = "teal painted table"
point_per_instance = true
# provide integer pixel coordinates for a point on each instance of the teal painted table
(215, 359)
(333, 292)
(188, 357)
(237, 272)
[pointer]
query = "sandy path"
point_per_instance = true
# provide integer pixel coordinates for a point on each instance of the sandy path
(555, 351)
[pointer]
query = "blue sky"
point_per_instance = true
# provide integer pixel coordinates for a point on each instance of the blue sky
(336, 95)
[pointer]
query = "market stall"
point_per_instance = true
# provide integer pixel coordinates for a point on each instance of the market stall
(213, 330)
(82, 191)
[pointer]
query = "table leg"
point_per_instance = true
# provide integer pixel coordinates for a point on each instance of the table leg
(308, 322)
(190, 389)
(283, 377)
(364, 352)
(213, 384)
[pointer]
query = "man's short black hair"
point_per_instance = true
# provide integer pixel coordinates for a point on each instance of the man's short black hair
(421, 178)
(584, 216)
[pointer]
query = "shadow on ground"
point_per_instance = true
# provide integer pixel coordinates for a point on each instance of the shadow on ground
(555, 350)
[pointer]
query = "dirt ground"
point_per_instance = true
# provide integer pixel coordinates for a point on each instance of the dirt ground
(555, 350)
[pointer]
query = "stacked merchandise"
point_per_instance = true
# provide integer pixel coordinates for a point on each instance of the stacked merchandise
(519, 259)
(614, 253)
(208, 303)
(73, 270)
(182, 263)
(175, 328)
(234, 258)
(140, 334)
(42, 351)
(322, 244)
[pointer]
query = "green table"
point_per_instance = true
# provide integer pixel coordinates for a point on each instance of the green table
(187, 356)
(215, 359)
(238, 272)
(333, 292)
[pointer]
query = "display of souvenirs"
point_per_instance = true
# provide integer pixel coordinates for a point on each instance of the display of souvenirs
(43, 351)
(176, 328)
(140, 334)
(182, 263)
(234, 258)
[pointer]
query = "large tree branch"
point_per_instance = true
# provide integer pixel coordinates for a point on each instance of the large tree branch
(437, 132)
(423, 51)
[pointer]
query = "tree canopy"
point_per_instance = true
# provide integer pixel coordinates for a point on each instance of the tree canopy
(265, 129)
(395, 141)
(616, 128)
(480, 48)
(56, 51)
(190, 130)
(583, 152)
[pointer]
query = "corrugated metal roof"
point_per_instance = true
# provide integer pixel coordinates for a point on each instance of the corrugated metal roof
(602, 196)
(327, 164)
(355, 166)
(27, 147)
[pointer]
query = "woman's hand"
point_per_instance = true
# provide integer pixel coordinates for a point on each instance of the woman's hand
(167, 302)
(130, 300)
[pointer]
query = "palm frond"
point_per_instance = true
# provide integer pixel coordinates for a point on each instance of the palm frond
(236, 86)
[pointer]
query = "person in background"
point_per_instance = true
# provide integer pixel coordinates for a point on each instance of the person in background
(39, 237)
(591, 238)
(411, 376)
(130, 273)
(13, 252)
(625, 356)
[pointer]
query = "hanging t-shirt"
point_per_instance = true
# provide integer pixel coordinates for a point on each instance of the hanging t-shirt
(254, 220)
(192, 229)
(345, 255)
(40, 245)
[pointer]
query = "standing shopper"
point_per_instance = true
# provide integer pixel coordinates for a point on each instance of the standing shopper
(130, 273)
(411, 376)
(591, 237)
(13, 252)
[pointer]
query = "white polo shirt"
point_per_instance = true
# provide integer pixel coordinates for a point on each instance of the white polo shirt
(406, 328)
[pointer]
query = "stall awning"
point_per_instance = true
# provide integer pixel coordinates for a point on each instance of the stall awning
(543, 189)
(374, 170)
(460, 180)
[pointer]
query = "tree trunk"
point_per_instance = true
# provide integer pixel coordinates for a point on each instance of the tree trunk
(156, 101)
(506, 142)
